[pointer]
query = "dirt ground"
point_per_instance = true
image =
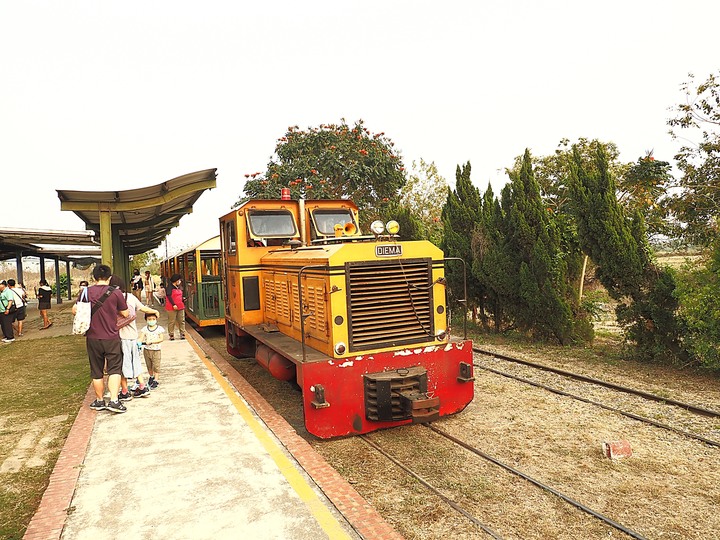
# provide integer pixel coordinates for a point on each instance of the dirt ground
(669, 488)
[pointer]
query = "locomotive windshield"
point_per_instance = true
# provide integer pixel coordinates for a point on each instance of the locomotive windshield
(325, 220)
(271, 223)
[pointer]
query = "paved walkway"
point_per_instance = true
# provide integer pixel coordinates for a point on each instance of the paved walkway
(204, 456)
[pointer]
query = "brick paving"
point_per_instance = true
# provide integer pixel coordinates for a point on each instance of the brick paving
(49, 519)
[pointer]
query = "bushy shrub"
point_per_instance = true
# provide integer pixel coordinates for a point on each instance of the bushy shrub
(698, 292)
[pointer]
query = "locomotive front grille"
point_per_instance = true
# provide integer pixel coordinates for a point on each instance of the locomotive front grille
(390, 303)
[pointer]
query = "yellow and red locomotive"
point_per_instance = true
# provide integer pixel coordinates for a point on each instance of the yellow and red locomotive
(358, 321)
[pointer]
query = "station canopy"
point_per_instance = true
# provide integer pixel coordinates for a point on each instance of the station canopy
(138, 218)
(73, 246)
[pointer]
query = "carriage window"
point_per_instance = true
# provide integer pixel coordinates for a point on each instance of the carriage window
(210, 266)
(230, 242)
(271, 224)
(325, 220)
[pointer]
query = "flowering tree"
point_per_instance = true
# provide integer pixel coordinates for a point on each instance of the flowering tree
(332, 161)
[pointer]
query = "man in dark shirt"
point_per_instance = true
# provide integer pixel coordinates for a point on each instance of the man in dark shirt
(103, 339)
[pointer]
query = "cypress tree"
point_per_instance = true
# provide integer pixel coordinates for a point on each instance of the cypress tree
(488, 263)
(619, 247)
(460, 215)
(533, 260)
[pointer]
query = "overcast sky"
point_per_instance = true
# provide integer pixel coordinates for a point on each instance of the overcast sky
(101, 95)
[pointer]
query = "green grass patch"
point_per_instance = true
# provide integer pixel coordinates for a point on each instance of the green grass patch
(42, 379)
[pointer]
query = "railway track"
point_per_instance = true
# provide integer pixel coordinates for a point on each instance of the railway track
(505, 466)
(647, 395)
(481, 498)
(687, 407)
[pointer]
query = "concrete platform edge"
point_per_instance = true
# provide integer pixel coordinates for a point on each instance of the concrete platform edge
(357, 511)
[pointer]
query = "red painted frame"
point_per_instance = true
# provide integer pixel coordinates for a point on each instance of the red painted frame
(344, 390)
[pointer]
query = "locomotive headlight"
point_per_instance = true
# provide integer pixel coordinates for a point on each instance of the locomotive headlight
(377, 227)
(392, 227)
(340, 348)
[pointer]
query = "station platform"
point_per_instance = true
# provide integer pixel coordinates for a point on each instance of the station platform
(205, 456)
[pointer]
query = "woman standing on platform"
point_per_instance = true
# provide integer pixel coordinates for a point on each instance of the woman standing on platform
(44, 294)
(175, 306)
(148, 289)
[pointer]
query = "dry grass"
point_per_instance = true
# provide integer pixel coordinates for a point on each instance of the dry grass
(669, 488)
(43, 384)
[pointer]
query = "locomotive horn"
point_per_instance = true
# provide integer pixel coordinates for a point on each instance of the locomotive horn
(350, 228)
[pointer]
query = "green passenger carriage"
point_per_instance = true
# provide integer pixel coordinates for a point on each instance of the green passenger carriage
(200, 268)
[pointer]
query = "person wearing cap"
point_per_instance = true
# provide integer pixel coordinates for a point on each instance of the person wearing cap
(137, 283)
(175, 306)
(6, 315)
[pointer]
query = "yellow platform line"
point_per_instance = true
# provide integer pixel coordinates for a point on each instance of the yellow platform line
(322, 515)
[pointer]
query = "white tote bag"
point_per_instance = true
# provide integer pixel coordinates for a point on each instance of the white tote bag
(83, 313)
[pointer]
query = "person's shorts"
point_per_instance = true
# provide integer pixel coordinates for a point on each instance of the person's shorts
(152, 359)
(131, 367)
(20, 314)
(102, 351)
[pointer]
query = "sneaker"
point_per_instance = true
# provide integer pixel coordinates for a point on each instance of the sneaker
(125, 397)
(153, 384)
(182, 336)
(116, 407)
(6, 340)
(144, 392)
(98, 405)
(172, 338)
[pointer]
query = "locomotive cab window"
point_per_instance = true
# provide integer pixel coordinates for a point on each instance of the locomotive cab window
(324, 221)
(229, 238)
(271, 227)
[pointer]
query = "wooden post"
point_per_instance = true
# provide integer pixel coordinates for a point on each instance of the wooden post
(582, 279)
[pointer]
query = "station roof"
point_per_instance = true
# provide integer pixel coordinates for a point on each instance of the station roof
(65, 245)
(142, 217)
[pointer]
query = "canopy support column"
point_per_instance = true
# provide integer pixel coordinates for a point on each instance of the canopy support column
(58, 293)
(67, 267)
(106, 244)
(19, 266)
